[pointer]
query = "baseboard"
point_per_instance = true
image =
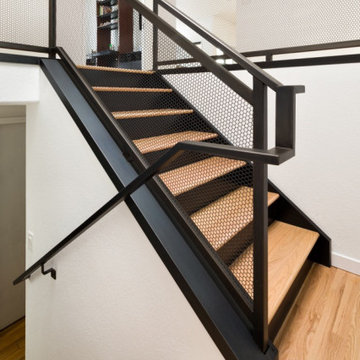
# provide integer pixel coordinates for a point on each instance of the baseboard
(12, 324)
(12, 120)
(346, 263)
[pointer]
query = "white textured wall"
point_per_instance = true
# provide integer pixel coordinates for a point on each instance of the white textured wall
(113, 297)
(19, 83)
(324, 177)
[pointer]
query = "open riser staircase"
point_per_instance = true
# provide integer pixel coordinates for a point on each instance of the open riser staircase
(215, 193)
(184, 125)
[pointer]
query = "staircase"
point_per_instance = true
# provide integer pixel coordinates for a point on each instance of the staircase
(215, 193)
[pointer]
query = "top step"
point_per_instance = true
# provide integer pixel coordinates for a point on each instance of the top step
(121, 70)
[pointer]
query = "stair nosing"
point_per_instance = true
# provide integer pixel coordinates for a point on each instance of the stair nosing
(121, 70)
(159, 147)
(131, 89)
(274, 303)
(196, 168)
(272, 197)
(135, 114)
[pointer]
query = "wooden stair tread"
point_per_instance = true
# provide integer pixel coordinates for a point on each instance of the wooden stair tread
(288, 249)
(105, 68)
(221, 220)
(162, 142)
(188, 177)
(130, 89)
(150, 113)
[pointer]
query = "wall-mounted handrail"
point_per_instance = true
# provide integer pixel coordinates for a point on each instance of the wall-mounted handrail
(274, 156)
(69, 239)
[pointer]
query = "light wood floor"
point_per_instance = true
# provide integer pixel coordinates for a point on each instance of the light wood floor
(12, 342)
(324, 323)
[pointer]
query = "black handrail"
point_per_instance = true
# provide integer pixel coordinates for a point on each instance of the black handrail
(248, 65)
(218, 70)
(304, 48)
(274, 156)
(23, 47)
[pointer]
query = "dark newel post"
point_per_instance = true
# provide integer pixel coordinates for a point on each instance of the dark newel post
(285, 117)
(155, 38)
(126, 27)
(260, 218)
(52, 28)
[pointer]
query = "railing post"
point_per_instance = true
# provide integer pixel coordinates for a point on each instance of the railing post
(285, 116)
(52, 28)
(155, 38)
(260, 186)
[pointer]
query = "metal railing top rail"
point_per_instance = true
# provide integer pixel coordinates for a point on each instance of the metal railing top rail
(218, 70)
(23, 47)
(275, 156)
(231, 53)
(305, 48)
(207, 61)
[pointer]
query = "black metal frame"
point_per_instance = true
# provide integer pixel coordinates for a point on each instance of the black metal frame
(260, 156)
(274, 157)
(201, 284)
(285, 138)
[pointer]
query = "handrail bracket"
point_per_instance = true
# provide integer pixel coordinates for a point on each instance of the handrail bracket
(50, 271)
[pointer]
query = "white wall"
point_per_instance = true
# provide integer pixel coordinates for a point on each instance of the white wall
(324, 177)
(19, 83)
(113, 297)
(12, 212)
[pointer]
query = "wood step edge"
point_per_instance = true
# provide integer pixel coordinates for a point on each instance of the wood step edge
(189, 177)
(221, 229)
(120, 115)
(163, 142)
(130, 89)
(121, 70)
(289, 247)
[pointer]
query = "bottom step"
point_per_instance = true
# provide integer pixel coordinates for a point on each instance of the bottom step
(289, 247)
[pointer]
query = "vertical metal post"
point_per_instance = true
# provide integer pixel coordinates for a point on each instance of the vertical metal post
(285, 117)
(155, 38)
(260, 219)
(52, 28)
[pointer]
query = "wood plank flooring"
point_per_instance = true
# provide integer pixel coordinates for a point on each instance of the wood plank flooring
(12, 342)
(324, 322)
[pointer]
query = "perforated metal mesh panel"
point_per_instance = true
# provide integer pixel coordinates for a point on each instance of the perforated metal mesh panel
(24, 22)
(220, 105)
(216, 193)
(278, 24)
